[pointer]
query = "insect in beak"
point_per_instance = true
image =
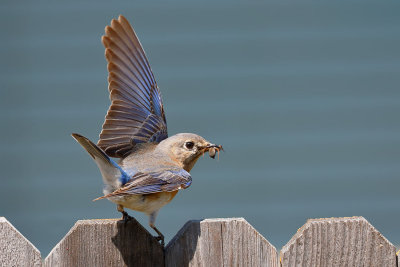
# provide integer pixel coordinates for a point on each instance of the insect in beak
(213, 149)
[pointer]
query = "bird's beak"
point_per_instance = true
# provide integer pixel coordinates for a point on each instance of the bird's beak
(213, 149)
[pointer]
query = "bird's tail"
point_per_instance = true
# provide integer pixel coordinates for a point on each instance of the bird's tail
(113, 175)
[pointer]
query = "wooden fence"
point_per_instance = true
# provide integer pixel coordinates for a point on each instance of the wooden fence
(210, 242)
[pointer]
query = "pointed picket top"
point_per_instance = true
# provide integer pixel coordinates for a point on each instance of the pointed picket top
(107, 242)
(220, 242)
(15, 249)
(349, 241)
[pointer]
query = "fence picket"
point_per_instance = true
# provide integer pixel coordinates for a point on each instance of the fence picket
(220, 242)
(338, 242)
(15, 249)
(108, 242)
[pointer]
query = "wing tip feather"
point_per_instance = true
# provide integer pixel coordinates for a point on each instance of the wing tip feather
(118, 35)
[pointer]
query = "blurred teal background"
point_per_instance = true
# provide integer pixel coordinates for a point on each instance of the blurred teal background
(304, 96)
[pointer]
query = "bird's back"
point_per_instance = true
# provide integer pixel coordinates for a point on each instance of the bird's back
(145, 158)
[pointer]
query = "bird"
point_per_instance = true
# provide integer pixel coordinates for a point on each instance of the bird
(142, 167)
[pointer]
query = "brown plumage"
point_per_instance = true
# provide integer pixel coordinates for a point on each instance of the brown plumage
(136, 113)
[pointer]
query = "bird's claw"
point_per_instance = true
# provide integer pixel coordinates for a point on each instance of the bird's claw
(125, 217)
(161, 239)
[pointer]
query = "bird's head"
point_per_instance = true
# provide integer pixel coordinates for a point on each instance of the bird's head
(186, 148)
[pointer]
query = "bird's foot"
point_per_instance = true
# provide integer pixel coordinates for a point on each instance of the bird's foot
(160, 238)
(125, 217)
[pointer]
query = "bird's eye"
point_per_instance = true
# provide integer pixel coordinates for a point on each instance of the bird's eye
(189, 145)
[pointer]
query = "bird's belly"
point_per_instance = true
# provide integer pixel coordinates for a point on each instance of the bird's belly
(144, 203)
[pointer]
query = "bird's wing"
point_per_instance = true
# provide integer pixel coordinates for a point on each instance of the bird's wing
(154, 182)
(136, 114)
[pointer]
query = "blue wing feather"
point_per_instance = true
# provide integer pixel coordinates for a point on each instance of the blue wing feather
(147, 183)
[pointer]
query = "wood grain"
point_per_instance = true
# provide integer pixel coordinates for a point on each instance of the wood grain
(107, 243)
(338, 242)
(15, 249)
(220, 242)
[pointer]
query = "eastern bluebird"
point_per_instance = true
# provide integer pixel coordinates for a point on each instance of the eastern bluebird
(152, 167)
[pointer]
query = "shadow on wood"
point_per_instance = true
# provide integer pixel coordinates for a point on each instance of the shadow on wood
(15, 249)
(137, 246)
(338, 242)
(220, 242)
(107, 243)
(184, 244)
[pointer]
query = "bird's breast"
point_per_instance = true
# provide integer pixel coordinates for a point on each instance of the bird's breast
(148, 203)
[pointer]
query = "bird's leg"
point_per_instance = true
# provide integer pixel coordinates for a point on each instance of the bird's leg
(160, 236)
(152, 220)
(125, 215)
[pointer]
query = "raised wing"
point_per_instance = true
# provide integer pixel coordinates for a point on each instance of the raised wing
(155, 182)
(136, 114)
